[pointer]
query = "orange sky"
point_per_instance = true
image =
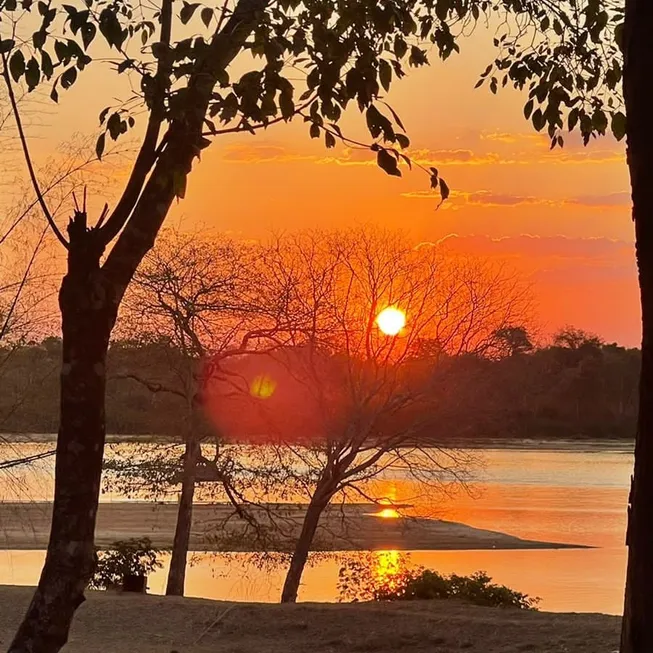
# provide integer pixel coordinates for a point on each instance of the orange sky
(561, 217)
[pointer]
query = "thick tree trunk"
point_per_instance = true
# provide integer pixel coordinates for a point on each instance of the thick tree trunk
(177, 573)
(302, 549)
(637, 628)
(87, 318)
(89, 301)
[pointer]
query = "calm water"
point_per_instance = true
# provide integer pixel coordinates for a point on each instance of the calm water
(556, 495)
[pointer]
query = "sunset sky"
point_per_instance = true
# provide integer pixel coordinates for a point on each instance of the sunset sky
(561, 217)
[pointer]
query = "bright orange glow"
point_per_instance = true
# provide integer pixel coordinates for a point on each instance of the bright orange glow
(388, 567)
(262, 387)
(391, 320)
(387, 513)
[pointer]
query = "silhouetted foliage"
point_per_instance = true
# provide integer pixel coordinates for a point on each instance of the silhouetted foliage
(133, 557)
(586, 390)
(388, 576)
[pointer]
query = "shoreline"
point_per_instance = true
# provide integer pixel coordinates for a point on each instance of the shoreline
(579, 444)
(353, 527)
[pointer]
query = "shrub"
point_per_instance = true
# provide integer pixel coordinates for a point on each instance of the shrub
(370, 577)
(134, 557)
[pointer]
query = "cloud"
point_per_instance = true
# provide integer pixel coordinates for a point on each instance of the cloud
(511, 138)
(610, 200)
(271, 152)
(480, 197)
(262, 152)
(487, 198)
(530, 247)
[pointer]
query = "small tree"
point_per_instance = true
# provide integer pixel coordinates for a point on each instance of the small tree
(124, 559)
(347, 400)
(198, 295)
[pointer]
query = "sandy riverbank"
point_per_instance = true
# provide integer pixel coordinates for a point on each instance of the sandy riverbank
(350, 527)
(153, 624)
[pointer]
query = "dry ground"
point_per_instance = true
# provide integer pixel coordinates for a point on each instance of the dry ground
(152, 624)
(348, 527)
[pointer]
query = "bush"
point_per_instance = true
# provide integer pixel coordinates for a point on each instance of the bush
(373, 577)
(134, 557)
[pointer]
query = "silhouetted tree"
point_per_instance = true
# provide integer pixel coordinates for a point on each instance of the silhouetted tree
(346, 399)
(201, 295)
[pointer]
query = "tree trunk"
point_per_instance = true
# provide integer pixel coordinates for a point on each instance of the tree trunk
(177, 573)
(302, 549)
(88, 315)
(637, 626)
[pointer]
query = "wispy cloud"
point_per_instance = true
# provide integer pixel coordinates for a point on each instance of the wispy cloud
(487, 198)
(261, 153)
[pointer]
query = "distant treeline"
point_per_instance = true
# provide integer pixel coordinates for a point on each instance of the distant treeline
(576, 387)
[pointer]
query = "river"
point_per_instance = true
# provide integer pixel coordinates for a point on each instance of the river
(570, 493)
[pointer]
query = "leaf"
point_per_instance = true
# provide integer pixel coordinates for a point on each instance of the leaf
(103, 114)
(329, 139)
(385, 74)
(396, 117)
(69, 78)
(528, 109)
(99, 146)
(111, 28)
(618, 125)
(315, 130)
(88, 34)
(403, 140)
(444, 190)
(113, 125)
(6, 45)
(47, 67)
(378, 124)
(17, 65)
(38, 39)
(400, 47)
(600, 121)
(32, 74)
(388, 163)
(538, 120)
(187, 12)
(206, 15)
(286, 104)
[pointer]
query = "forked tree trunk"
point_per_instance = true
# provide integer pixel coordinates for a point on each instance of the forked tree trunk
(302, 549)
(637, 627)
(177, 573)
(88, 314)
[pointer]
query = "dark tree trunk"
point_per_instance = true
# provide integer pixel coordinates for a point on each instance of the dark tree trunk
(89, 300)
(302, 549)
(177, 573)
(637, 628)
(88, 315)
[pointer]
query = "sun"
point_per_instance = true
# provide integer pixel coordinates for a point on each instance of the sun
(391, 320)
(387, 513)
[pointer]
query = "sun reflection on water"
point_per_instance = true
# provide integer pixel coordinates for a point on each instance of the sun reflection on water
(389, 567)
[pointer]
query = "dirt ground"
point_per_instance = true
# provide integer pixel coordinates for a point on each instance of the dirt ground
(153, 624)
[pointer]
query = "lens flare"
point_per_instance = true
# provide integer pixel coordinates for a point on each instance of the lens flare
(262, 387)
(391, 320)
